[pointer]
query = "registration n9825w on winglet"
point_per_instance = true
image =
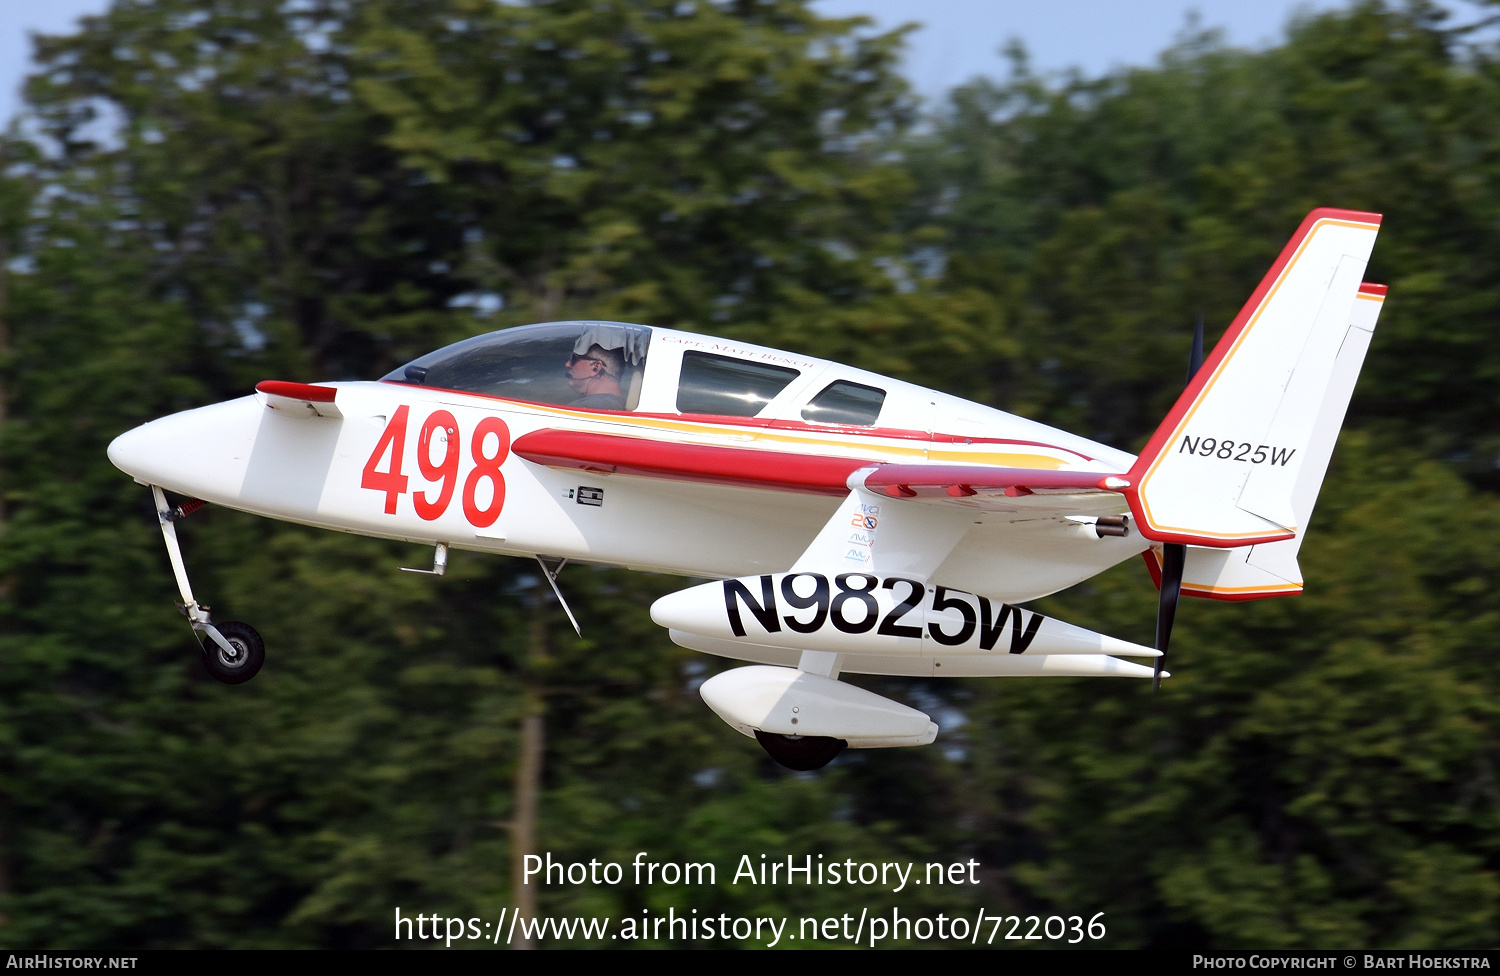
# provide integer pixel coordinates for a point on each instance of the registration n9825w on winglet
(851, 523)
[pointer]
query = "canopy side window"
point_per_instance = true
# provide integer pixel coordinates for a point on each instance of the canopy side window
(727, 386)
(842, 402)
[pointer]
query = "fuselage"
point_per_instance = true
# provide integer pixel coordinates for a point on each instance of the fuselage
(653, 486)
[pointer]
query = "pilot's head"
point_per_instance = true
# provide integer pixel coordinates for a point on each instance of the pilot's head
(596, 371)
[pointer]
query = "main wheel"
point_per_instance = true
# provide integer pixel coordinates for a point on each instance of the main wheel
(801, 752)
(244, 664)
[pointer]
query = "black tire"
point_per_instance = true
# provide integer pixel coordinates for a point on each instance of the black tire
(241, 668)
(803, 752)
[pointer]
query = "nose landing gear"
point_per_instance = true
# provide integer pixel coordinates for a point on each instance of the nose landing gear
(232, 652)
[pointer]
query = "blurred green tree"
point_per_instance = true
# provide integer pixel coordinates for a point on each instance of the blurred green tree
(1110, 212)
(207, 195)
(1319, 770)
(1318, 773)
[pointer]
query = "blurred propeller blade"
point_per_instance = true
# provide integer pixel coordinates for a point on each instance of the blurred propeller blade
(1195, 359)
(1174, 556)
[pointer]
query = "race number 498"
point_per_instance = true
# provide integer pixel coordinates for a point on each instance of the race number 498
(489, 446)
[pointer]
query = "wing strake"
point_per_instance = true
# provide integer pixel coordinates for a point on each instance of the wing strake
(706, 464)
(785, 471)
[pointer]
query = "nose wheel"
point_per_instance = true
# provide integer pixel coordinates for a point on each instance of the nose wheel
(241, 660)
(232, 652)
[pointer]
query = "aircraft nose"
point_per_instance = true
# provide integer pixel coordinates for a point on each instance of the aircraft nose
(132, 452)
(196, 452)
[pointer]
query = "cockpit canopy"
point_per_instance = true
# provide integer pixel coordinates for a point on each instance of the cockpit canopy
(552, 362)
(531, 362)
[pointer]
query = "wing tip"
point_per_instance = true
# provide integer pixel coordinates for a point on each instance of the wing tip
(1336, 213)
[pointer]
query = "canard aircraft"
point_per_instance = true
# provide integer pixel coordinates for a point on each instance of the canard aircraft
(849, 523)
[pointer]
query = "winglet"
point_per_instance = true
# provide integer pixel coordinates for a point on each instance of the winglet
(1221, 470)
(1270, 569)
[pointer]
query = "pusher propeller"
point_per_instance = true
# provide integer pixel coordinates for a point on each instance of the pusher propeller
(1173, 554)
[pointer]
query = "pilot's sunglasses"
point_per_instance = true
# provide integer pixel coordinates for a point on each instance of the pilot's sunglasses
(576, 358)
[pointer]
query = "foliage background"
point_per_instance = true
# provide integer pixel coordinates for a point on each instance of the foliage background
(208, 194)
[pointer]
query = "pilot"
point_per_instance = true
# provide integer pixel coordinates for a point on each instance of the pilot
(595, 377)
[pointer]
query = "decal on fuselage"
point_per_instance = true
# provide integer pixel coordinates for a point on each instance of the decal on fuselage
(862, 538)
(489, 446)
(850, 604)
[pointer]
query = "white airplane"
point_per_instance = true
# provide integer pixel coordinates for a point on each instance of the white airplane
(850, 522)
